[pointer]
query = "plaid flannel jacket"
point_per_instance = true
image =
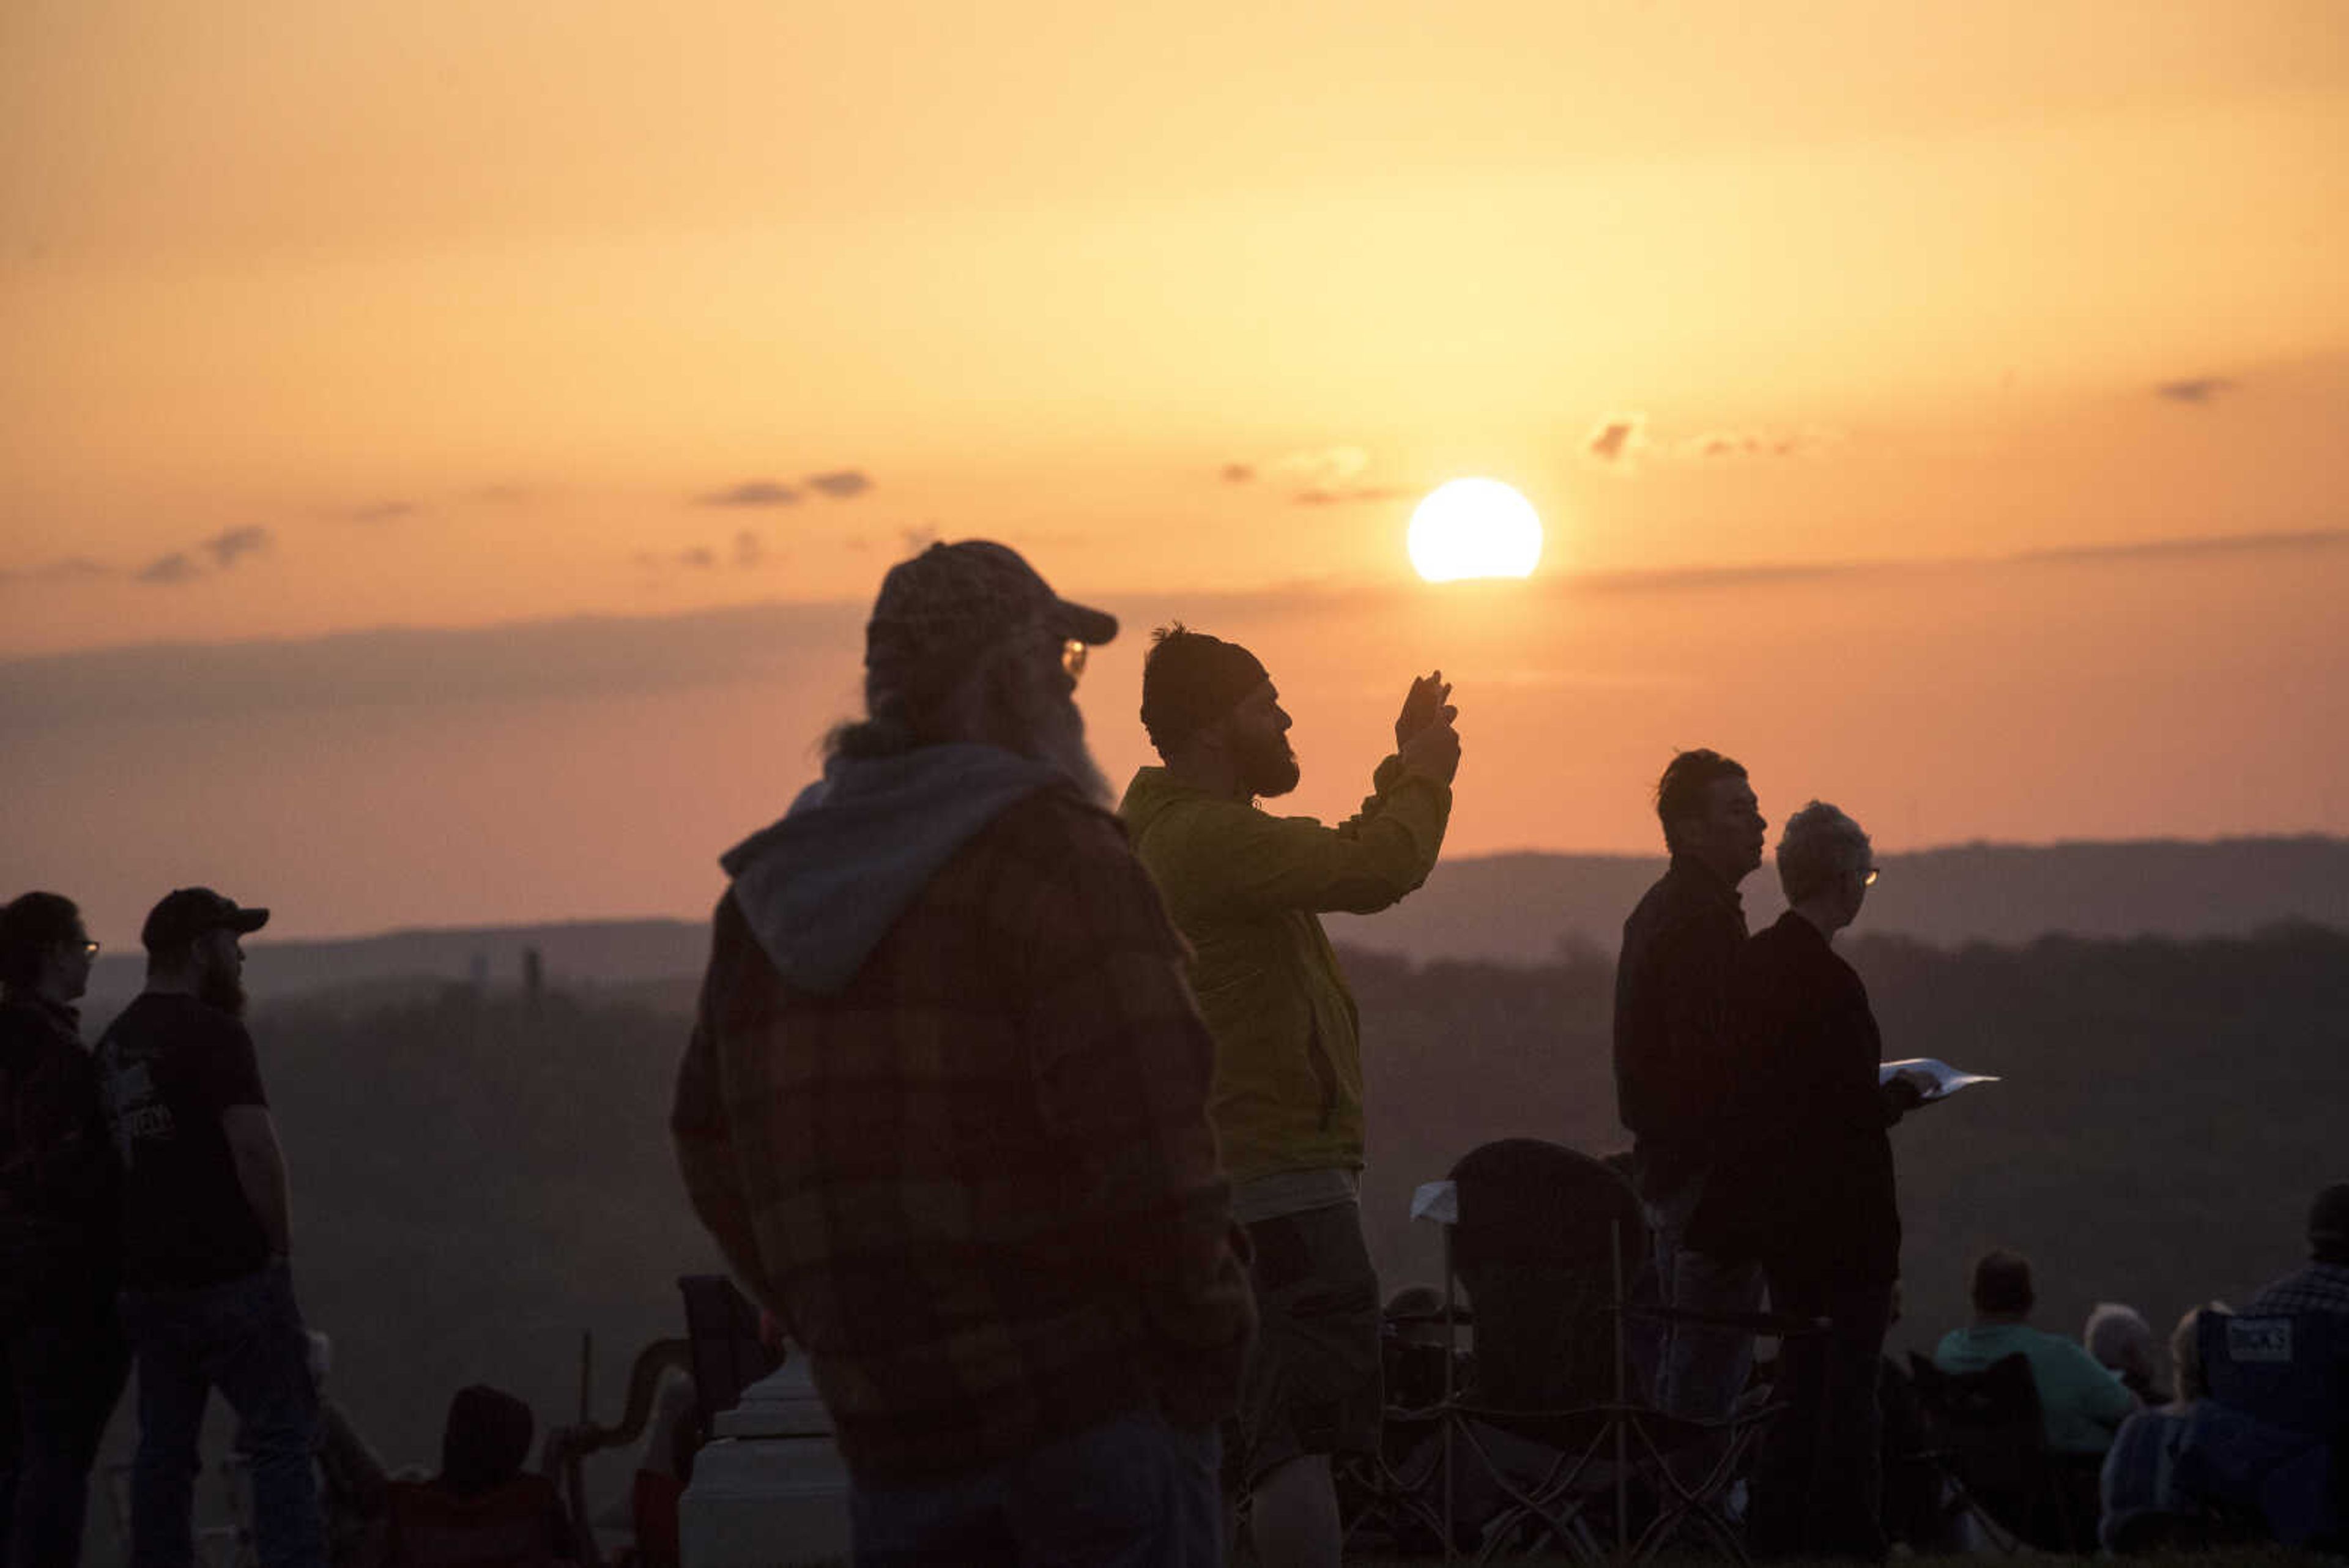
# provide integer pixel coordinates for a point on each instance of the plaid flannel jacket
(978, 1183)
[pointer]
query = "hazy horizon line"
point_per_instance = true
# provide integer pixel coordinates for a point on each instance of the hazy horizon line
(1322, 590)
(576, 922)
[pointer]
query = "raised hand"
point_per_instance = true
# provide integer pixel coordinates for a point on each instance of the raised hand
(1429, 702)
(1434, 751)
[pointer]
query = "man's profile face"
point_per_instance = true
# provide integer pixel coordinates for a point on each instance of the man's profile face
(1729, 835)
(1256, 732)
(220, 967)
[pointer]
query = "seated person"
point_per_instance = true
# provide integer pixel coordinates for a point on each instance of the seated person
(481, 1509)
(2324, 1284)
(2081, 1403)
(2122, 1342)
(2141, 1495)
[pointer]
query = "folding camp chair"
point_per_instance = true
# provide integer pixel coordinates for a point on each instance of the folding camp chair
(2290, 1371)
(1544, 1240)
(1988, 1433)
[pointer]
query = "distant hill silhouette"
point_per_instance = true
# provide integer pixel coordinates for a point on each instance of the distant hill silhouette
(1502, 909)
(1525, 908)
(577, 954)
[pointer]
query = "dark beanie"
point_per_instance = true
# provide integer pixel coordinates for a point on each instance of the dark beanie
(1190, 681)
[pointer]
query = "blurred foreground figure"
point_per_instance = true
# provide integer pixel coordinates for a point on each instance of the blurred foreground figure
(2324, 1284)
(944, 1106)
(1672, 1051)
(1247, 887)
(482, 1507)
(208, 1283)
(62, 1355)
(1804, 1181)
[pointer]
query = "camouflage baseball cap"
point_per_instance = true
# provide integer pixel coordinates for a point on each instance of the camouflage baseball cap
(952, 600)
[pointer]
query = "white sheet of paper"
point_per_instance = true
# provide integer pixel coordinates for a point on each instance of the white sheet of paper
(1947, 1080)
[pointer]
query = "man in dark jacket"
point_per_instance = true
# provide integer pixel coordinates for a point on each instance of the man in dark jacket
(1803, 1181)
(63, 1358)
(1671, 1062)
(945, 1108)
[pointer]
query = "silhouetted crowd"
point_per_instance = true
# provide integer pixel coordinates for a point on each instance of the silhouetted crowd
(144, 1218)
(1035, 1118)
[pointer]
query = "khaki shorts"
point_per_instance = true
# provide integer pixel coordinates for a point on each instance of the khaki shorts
(1312, 1383)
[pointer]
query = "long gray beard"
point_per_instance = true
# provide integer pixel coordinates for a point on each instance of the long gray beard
(1038, 719)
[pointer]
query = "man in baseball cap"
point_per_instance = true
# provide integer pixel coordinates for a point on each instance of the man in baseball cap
(944, 1106)
(208, 1288)
(186, 913)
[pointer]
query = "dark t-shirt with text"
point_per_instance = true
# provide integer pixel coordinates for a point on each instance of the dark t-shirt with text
(170, 1066)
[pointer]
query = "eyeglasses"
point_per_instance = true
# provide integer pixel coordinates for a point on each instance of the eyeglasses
(88, 948)
(1073, 657)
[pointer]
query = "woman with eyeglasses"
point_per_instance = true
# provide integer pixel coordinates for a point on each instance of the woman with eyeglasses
(1806, 1184)
(63, 1358)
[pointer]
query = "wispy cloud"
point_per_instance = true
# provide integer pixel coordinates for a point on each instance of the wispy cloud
(1344, 495)
(1316, 476)
(172, 569)
(746, 552)
(840, 483)
(169, 571)
(2195, 389)
(750, 493)
(1685, 579)
(1716, 445)
(1321, 467)
(1616, 440)
(2197, 545)
(1620, 443)
(836, 484)
(231, 546)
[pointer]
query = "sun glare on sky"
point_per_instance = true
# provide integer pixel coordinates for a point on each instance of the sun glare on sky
(1475, 528)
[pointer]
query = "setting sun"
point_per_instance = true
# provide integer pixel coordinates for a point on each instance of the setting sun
(1475, 528)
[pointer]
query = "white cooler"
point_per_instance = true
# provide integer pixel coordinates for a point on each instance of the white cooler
(769, 1489)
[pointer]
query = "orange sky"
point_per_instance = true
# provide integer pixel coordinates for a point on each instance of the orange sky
(443, 315)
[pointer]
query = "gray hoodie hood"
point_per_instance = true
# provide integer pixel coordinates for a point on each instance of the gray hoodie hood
(823, 887)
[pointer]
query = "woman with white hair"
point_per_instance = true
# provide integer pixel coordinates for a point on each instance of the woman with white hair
(1806, 1184)
(2122, 1342)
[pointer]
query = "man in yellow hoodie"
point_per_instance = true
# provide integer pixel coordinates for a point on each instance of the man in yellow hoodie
(1246, 888)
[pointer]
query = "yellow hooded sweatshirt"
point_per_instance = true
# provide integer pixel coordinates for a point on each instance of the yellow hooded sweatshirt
(1245, 887)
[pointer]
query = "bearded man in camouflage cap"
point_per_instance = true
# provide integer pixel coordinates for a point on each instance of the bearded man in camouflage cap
(944, 1106)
